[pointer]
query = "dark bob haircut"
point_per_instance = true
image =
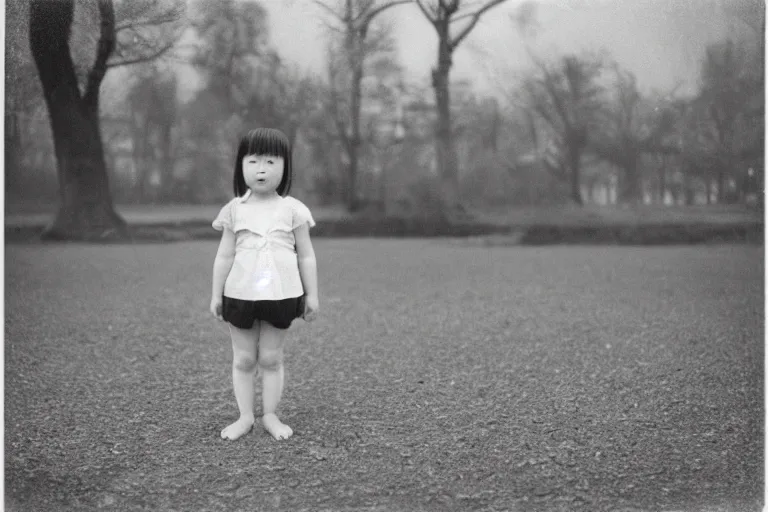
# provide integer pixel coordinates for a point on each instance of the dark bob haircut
(264, 141)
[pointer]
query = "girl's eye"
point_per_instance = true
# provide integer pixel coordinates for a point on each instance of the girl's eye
(270, 161)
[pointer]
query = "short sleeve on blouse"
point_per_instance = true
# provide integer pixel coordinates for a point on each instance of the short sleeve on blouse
(301, 215)
(225, 218)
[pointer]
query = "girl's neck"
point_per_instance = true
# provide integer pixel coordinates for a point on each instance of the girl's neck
(256, 197)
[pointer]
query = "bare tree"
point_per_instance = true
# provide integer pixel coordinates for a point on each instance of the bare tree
(246, 84)
(461, 16)
(86, 203)
(631, 128)
(145, 30)
(567, 98)
(732, 91)
(232, 41)
(280, 97)
(352, 22)
(153, 112)
(86, 208)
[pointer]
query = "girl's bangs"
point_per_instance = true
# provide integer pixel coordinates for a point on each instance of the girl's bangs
(267, 142)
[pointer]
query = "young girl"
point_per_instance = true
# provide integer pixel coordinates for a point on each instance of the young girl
(264, 275)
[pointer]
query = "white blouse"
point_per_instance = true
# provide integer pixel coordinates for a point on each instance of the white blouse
(266, 264)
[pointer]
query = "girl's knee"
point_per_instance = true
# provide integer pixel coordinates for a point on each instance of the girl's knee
(245, 363)
(271, 360)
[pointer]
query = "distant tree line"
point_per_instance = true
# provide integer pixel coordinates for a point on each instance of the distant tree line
(186, 78)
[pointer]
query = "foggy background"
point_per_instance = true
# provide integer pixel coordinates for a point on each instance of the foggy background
(659, 75)
(601, 349)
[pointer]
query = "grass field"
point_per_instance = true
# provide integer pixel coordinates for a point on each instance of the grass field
(440, 377)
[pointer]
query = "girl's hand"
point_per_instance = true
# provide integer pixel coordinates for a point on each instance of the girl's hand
(312, 308)
(216, 304)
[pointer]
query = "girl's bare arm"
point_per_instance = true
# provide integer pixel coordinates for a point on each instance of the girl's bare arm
(225, 256)
(307, 267)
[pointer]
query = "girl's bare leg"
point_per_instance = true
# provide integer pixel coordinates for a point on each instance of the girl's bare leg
(272, 375)
(245, 343)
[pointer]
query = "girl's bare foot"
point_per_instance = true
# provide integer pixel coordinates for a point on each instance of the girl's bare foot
(274, 426)
(238, 428)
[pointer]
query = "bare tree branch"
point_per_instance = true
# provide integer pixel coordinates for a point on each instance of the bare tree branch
(432, 17)
(379, 41)
(545, 114)
(365, 13)
(142, 58)
(335, 14)
(549, 85)
(332, 28)
(473, 22)
(105, 47)
(140, 35)
(168, 18)
(450, 7)
(462, 17)
(372, 14)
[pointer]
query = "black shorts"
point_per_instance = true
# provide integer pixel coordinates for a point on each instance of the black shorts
(244, 313)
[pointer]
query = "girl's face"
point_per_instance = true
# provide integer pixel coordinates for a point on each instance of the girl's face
(263, 173)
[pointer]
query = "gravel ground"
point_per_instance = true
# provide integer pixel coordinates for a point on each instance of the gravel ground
(440, 377)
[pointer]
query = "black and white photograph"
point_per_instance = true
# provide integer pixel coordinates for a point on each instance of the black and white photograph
(384, 256)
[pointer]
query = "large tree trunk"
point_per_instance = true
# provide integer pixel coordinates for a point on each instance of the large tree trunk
(86, 208)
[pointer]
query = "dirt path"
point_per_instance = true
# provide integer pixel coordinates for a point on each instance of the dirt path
(441, 377)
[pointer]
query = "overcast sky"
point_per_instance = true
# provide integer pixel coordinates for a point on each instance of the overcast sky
(661, 41)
